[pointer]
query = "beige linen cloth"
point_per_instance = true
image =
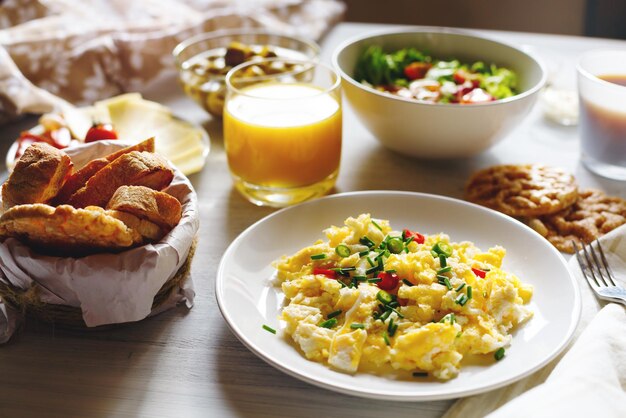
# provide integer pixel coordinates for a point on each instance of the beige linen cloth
(589, 380)
(79, 51)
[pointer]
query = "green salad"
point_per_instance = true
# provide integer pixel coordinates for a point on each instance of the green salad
(411, 73)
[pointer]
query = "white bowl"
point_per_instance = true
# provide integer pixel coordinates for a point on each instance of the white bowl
(437, 130)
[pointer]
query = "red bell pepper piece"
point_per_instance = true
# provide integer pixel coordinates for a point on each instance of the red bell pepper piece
(417, 237)
(389, 281)
(331, 274)
(479, 273)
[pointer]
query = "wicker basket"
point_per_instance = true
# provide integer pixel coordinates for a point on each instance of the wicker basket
(28, 302)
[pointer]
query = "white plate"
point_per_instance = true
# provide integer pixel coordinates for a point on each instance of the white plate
(247, 298)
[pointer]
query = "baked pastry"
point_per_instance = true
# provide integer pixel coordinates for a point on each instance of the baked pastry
(64, 230)
(158, 207)
(80, 177)
(591, 216)
(522, 190)
(134, 168)
(37, 177)
(143, 230)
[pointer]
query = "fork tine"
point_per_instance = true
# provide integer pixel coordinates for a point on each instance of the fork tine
(584, 267)
(605, 264)
(594, 264)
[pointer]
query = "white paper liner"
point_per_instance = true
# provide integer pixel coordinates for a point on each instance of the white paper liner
(108, 288)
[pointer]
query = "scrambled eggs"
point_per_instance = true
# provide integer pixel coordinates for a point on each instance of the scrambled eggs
(370, 298)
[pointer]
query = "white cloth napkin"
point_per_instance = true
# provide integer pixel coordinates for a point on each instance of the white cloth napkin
(589, 380)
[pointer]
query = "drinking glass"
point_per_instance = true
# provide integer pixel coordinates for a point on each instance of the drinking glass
(602, 94)
(283, 130)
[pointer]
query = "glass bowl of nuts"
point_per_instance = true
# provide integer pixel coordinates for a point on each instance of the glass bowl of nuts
(204, 60)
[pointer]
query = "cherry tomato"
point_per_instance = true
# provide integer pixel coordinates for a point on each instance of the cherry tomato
(416, 70)
(389, 281)
(100, 131)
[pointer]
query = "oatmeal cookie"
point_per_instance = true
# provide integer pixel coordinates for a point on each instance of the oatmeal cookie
(593, 215)
(522, 190)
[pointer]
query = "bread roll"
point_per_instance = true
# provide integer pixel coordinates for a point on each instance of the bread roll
(37, 177)
(158, 207)
(80, 177)
(134, 168)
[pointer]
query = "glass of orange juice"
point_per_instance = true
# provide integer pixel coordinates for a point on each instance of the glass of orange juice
(283, 130)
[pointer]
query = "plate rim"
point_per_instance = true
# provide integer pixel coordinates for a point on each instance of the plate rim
(306, 377)
(205, 139)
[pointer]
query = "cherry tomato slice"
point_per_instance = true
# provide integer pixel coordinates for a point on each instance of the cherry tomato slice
(416, 70)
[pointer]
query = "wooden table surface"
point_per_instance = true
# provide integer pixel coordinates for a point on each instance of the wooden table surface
(187, 363)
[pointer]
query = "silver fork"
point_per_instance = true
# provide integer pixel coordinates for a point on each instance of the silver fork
(596, 270)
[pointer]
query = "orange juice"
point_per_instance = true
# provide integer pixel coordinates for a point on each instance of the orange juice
(280, 135)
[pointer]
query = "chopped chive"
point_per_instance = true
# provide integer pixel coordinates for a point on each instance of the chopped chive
(406, 250)
(366, 241)
(370, 262)
(393, 330)
(469, 292)
(372, 270)
(406, 282)
(329, 323)
(347, 268)
(360, 278)
(395, 245)
(376, 225)
(461, 299)
(342, 250)
(385, 315)
(420, 374)
(445, 269)
(334, 314)
(390, 271)
(318, 256)
(341, 283)
(364, 253)
(499, 354)
(451, 318)
(269, 329)
(442, 248)
(397, 312)
(442, 261)
(384, 297)
(434, 254)
(445, 281)
(386, 338)
(410, 240)
(357, 326)
(390, 326)
(458, 334)
(394, 304)
(460, 287)
(374, 280)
